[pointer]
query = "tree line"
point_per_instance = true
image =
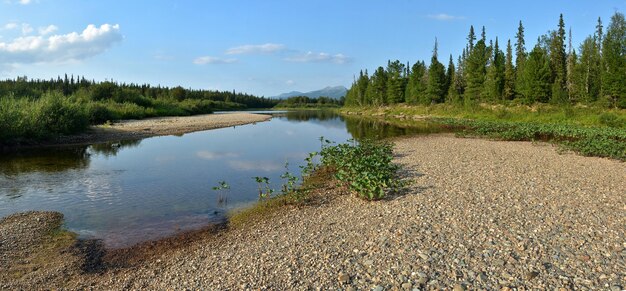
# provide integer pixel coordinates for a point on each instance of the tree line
(21, 87)
(552, 71)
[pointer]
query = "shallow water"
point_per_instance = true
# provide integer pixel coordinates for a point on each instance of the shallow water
(151, 188)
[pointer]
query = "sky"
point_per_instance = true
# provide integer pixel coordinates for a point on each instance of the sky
(265, 47)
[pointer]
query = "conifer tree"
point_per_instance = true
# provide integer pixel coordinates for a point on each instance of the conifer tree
(377, 88)
(558, 63)
(535, 80)
(520, 54)
(614, 61)
(588, 70)
(508, 91)
(396, 82)
(416, 86)
(450, 71)
(476, 71)
(471, 37)
(435, 91)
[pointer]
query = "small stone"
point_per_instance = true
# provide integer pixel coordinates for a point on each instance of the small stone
(531, 275)
(344, 278)
(407, 286)
(616, 288)
(458, 287)
(482, 277)
(378, 288)
(350, 289)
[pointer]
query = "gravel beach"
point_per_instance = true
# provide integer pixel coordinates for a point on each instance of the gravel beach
(479, 214)
(136, 129)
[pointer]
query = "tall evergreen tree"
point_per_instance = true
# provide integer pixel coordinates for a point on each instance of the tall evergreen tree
(471, 37)
(377, 88)
(571, 69)
(476, 71)
(535, 80)
(450, 71)
(508, 90)
(614, 61)
(520, 54)
(558, 63)
(599, 34)
(588, 70)
(416, 87)
(396, 82)
(435, 91)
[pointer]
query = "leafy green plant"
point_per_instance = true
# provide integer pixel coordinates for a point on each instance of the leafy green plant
(265, 191)
(221, 187)
(365, 167)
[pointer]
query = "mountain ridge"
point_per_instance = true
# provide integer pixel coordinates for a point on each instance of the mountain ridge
(335, 92)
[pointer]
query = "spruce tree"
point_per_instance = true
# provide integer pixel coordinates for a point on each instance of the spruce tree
(476, 71)
(396, 82)
(520, 54)
(535, 80)
(614, 61)
(416, 87)
(450, 71)
(508, 91)
(588, 68)
(377, 88)
(558, 63)
(435, 91)
(471, 37)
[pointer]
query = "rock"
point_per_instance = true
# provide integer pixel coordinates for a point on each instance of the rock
(343, 278)
(407, 286)
(378, 288)
(616, 288)
(458, 287)
(531, 275)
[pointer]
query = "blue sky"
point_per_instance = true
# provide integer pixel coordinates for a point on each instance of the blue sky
(260, 47)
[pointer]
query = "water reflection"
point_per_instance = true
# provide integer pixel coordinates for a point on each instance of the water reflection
(129, 191)
(49, 161)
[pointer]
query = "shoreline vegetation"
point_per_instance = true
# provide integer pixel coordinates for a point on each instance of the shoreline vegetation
(588, 131)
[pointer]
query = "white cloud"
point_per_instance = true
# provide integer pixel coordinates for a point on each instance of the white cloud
(207, 155)
(290, 82)
(311, 57)
(206, 60)
(267, 48)
(265, 166)
(10, 26)
(445, 17)
(47, 29)
(60, 48)
(24, 2)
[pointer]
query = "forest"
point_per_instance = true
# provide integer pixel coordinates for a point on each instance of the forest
(40, 109)
(488, 71)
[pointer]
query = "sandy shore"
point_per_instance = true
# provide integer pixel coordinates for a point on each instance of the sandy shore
(480, 215)
(136, 129)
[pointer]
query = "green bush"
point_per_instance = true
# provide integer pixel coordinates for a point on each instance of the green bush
(366, 167)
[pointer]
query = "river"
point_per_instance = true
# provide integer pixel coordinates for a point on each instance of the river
(137, 190)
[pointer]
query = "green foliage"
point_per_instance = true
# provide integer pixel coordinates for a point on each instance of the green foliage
(265, 191)
(535, 80)
(308, 102)
(365, 168)
(39, 109)
(601, 142)
(614, 61)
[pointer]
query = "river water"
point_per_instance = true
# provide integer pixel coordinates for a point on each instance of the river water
(137, 190)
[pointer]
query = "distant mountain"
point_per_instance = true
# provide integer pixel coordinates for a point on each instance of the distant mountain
(333, 92)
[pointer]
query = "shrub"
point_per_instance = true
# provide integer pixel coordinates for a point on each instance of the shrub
(365, 168)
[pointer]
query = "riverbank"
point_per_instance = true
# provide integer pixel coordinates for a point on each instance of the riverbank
(157, 126)
(479, 214)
